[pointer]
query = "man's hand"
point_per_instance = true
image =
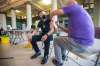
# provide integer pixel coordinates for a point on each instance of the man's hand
(44, 37)
(56, 12)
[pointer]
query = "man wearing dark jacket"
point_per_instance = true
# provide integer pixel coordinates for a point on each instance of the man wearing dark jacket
(46, 36)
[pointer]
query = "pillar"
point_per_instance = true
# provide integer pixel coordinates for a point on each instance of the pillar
(54, 18)
(61, 3)
(13, 19)
(97, 13)
(29, 16)
(3, 21)
(54, 7)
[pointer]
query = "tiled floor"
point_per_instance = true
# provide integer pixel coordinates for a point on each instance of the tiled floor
(21, 57)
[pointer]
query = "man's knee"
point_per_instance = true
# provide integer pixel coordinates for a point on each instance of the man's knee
(56, 42)
(34, 38)
(56, 39)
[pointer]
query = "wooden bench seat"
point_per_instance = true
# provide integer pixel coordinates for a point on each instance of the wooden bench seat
(95, 50)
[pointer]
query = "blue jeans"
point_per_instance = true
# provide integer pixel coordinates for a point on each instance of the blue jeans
(61, 44)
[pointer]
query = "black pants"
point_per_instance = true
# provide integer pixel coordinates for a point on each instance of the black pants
(35, 46)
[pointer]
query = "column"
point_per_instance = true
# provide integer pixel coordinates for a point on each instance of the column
(61, 3)
(54, 7)
(97, 13)
(29, 16)
(55, 18)
(3, 21)
(13, 19)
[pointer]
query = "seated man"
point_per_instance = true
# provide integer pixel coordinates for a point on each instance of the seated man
(80, 32)
(46, 36)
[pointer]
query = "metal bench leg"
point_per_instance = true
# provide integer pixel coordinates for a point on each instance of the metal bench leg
(50, 50)
(67, 58)
(96, 63)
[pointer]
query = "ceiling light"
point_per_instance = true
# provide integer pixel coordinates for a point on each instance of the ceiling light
(17, 11)
(46, 2)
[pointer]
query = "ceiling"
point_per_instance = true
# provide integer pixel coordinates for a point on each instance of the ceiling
(2, 2)
(37, 5)
(7, 5)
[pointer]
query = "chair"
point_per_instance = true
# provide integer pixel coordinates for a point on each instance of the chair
(95, 47)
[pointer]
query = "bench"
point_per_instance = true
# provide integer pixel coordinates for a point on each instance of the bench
(95, 47)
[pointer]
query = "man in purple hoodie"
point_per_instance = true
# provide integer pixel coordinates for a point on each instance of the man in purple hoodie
(80, 31)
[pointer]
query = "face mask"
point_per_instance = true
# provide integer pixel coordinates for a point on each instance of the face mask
(43, 17)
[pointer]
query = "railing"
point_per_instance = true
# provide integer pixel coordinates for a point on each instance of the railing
(16, 35)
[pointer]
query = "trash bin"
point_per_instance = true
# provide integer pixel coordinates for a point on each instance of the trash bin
(5, 40)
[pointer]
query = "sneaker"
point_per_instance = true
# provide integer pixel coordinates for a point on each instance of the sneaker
(45, 60)
(36, 55)
(57, 63)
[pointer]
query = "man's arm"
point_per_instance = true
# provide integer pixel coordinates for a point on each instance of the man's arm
(51, 29)
(63, 11)
(57, 12)
(63, 29)
(49, 33)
